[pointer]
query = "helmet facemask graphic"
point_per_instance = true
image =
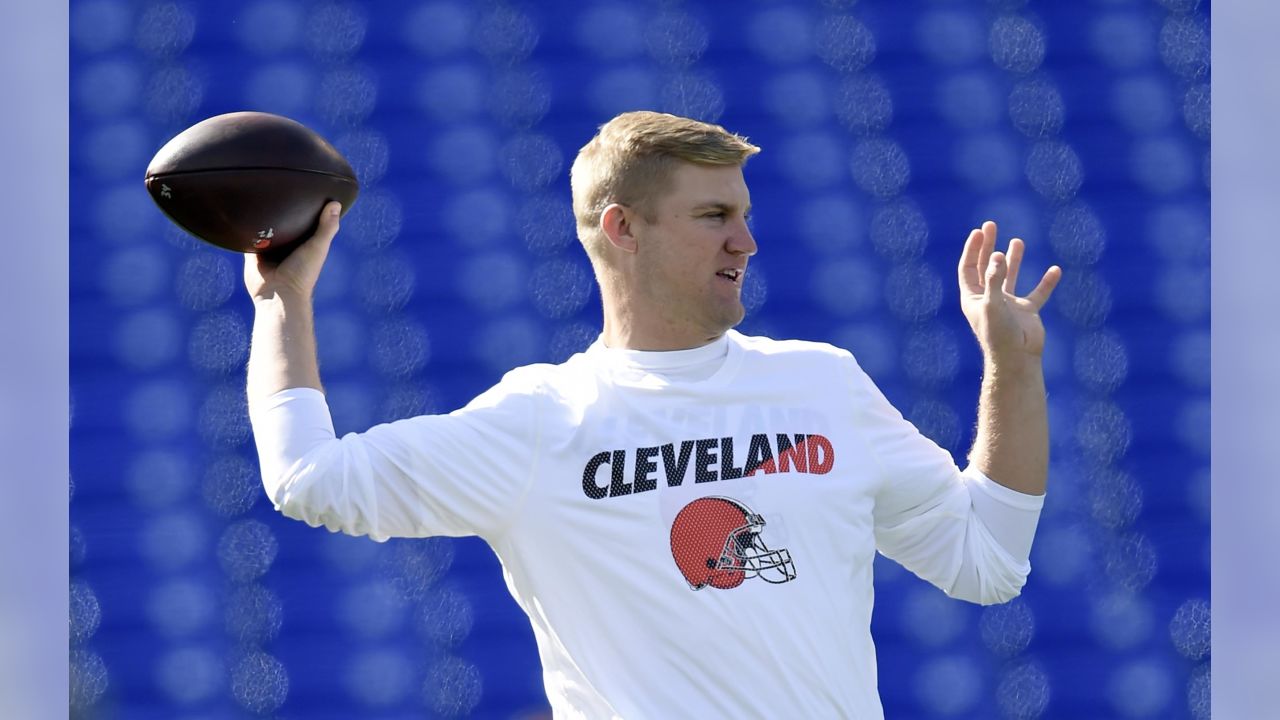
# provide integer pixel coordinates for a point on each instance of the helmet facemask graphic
(716, 541)
(749, 553)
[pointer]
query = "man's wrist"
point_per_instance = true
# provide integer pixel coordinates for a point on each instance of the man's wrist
(1012, 364)
(278, 298)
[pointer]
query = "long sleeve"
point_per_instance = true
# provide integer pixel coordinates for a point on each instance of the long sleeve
(956, 529)
(464, 473)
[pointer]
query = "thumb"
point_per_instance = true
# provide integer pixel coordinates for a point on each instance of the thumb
(997, 269)
(327, 227)
(314, 250)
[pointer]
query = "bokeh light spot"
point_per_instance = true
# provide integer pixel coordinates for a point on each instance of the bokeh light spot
(932, 619)
(532, 161)
(560, 288)
(400, 348)
(223, 420)
(1036, 108)
(611, 31)
(930, 355)
(845, 286)
(99, 25)
(219, 343)
(190, 675)
(205, 281)
(1101, 361)
(437, 29)
(913, 291)
(505, 35)
(692, 95)
(949, 685)
(830, 224)
(180, 607)
(259, 683)
(85, 612)
(164, 30)
(1141, 689)
(970, 100)
(1077, 235)
(813, 159)
(246, 550)
(87, 676)
(1121, 620)
(781, 34)
(864, 105)
(1023, 692)
(1054, 170)
(1184, 46)
(1190, 629)
(453, 687)
(270, 27)
(253, 615)
(285, 88)
(231, 486)
(1016, 44)
(173, 541)
(675, 39)
(880, 167)
(379, 677)
(1007, 628)
(844, 43)
(335, 31)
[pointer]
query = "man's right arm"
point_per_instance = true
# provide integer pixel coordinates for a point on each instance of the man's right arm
(283, 352)
(458, 474)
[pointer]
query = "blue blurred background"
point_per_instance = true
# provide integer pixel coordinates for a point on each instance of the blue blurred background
(889, 129)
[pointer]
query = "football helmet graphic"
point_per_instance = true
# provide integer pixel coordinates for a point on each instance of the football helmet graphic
(716, 541)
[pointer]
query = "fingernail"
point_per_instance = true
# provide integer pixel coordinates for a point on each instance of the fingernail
(335, 209)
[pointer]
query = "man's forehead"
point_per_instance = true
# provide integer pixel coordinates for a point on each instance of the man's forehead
(701, 185)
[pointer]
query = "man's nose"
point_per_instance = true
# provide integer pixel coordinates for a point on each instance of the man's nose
(741, 242)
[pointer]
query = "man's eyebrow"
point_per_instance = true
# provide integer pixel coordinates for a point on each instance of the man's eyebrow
(717, 205)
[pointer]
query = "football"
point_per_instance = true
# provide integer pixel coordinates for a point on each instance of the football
(250, 182)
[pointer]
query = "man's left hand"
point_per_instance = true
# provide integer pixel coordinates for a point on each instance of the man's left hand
(1008, 327)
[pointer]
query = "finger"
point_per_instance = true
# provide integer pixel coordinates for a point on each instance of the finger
(1044, 289)
(1016, 249)
(988, 244)
(968, 270)
(316, 248)
(997, 270)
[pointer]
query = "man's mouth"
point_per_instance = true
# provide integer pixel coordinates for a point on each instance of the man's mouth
(733, 275)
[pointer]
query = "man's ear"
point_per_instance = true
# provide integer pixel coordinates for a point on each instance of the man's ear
(617, 224)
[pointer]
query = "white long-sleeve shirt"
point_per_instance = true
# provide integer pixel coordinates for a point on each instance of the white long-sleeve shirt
(577, 475)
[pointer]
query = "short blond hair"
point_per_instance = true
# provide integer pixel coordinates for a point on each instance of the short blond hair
(631, 160)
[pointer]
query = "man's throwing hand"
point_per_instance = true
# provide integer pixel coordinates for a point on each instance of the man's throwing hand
(1008, 327)
(298, 273)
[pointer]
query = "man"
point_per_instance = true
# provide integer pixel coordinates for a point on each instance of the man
(687, 515)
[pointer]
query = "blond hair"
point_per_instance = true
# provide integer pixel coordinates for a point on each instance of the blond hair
(631, 159)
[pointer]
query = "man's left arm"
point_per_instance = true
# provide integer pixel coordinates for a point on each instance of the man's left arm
(1011, 445)
(971, 534)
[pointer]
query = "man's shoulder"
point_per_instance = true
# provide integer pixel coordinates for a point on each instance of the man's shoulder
(538, 378)
(532, 385)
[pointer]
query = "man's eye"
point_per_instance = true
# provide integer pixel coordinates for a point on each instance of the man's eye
(714, 215)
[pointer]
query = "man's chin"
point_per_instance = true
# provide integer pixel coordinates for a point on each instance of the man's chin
(732, 319)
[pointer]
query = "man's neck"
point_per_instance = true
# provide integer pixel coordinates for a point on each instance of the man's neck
(622, 335)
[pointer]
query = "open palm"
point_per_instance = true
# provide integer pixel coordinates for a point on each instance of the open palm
(1007, 326)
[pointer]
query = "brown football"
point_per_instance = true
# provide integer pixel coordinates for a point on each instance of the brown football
(250, 182)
